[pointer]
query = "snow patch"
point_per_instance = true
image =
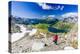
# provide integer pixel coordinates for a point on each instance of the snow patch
(37, 46)
(68, 48)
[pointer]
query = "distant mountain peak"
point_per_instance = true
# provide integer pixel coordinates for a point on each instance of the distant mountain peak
(70, 17)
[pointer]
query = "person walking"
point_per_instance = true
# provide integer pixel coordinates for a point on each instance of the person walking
(55, 39)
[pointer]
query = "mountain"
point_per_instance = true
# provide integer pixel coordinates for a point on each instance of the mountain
(70, 17)
(26, 21)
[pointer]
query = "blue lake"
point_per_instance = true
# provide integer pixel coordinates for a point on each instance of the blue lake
(54, 30)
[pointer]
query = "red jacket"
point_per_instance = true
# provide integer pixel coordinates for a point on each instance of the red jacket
(55, 37)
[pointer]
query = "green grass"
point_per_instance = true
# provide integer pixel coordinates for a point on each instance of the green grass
(63, 25)
(41, 27)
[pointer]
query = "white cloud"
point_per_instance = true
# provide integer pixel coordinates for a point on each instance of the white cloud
(45, 6)
(51, 16)
(44, 16)
(71, 14)
(62, 7)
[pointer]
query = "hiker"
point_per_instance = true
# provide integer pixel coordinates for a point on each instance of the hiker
(55, 39)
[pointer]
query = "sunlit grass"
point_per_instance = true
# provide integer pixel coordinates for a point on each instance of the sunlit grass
(63, 25)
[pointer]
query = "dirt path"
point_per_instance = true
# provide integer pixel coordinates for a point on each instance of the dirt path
(25, 44)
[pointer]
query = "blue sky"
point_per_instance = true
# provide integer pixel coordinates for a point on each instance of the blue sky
(38, 10)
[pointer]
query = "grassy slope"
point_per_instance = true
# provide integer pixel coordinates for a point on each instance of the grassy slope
(42, 27)
(63, 25)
